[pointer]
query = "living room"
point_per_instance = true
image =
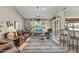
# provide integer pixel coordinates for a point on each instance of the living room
(23, 26)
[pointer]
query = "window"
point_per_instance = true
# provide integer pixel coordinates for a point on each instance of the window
(16, 25)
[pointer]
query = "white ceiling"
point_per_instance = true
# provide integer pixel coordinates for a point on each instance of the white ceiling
(44, 11)
(72, 8)
(72, 11)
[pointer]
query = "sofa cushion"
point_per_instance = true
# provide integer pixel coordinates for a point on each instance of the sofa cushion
(6, 46)
(3, 41)
(11, 50)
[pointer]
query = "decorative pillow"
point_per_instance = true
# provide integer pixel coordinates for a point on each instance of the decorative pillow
(6, 46)
(15, 34)
(5, 35)
(19, 33)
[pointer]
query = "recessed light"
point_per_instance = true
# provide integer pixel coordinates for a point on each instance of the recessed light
(44, 8)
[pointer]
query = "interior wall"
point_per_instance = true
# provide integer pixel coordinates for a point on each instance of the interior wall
(58, 24)
(47, 25)
(69, 12)
(8, 13)
(61, 19)
(27, 23)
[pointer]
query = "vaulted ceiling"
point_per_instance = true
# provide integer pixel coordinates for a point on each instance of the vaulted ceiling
(46, 12)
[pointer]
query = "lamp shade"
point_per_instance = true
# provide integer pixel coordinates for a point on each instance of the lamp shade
(11, 29)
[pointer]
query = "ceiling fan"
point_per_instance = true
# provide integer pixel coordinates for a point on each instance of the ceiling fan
(37, 14)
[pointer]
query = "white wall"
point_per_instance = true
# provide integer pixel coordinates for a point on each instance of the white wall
(69, 12)
(27, 23)
(61, 15)
(8, 13)
(47, 23)
(58, 24)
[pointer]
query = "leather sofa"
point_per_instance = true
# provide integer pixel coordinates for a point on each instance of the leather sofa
(21, 37)
(6, 46)
(17, 45)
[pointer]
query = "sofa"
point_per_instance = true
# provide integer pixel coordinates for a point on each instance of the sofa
(21, 37)
(6, 46)
(17, 45)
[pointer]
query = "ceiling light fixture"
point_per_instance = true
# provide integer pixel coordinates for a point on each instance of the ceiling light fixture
(44, 8)
(37, 14)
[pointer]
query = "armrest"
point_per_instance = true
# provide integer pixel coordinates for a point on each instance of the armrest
(3, 41)
(6, 46)
(11, 50)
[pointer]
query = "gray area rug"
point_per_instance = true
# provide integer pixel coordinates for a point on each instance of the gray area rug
(36, 45)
